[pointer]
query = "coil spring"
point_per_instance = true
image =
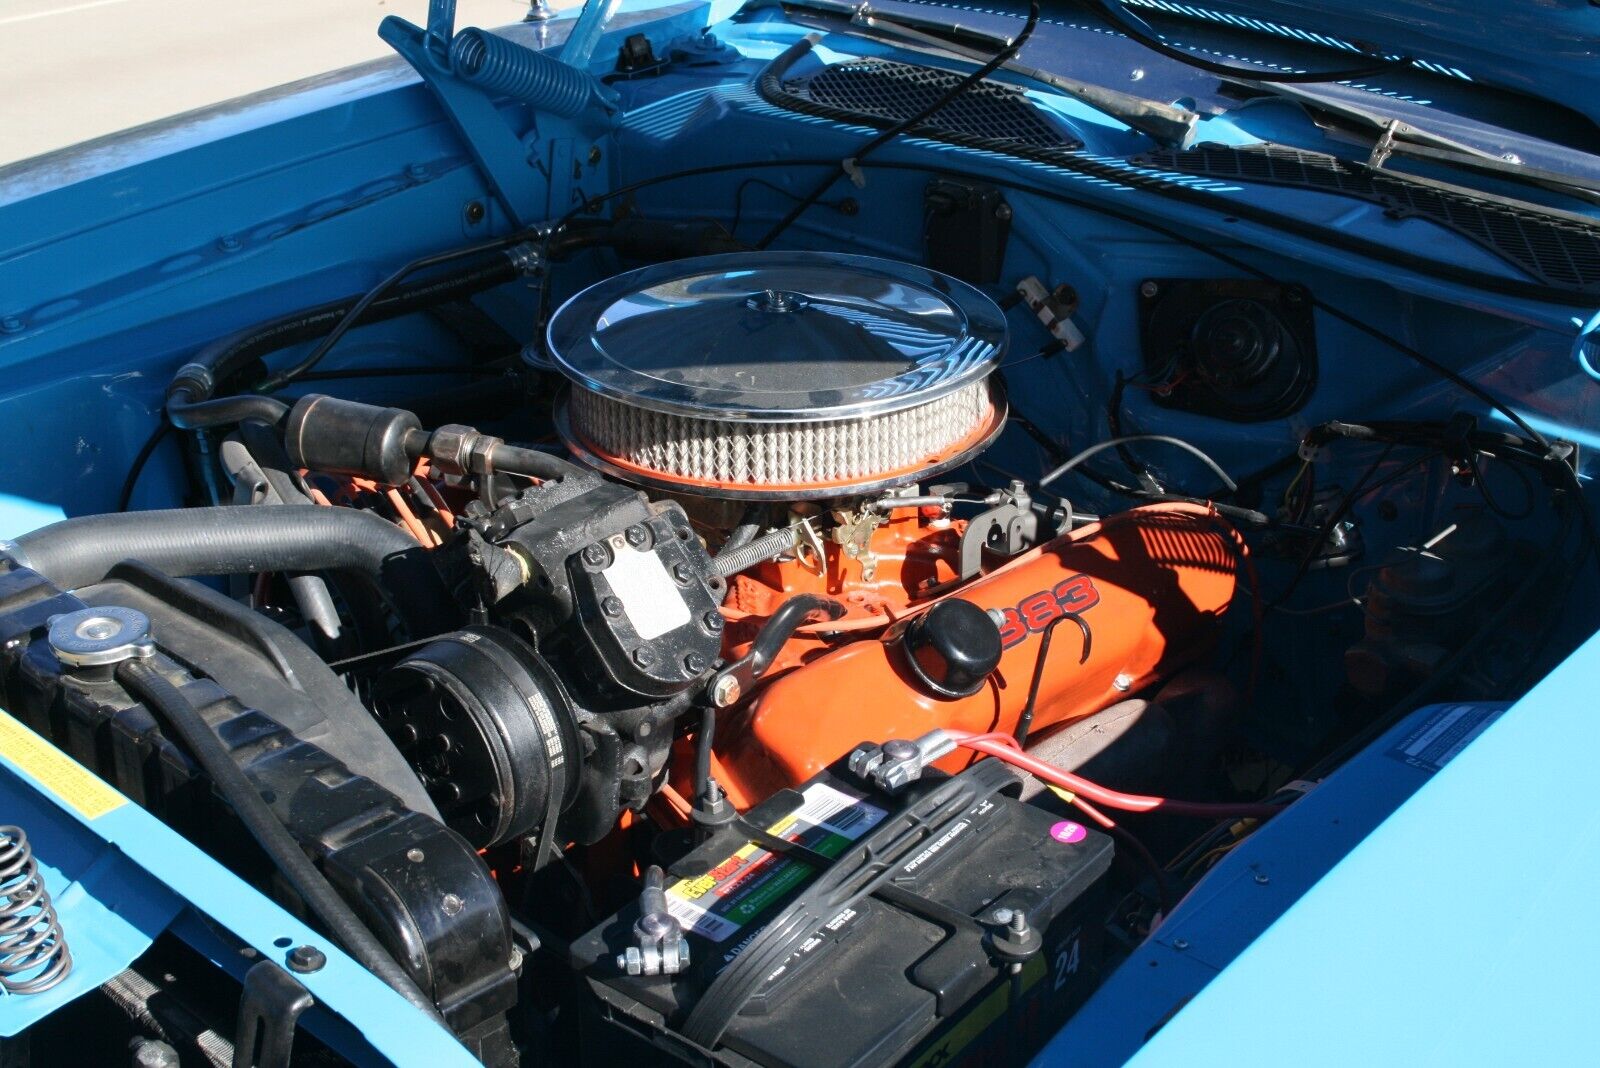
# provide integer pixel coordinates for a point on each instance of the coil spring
(505, 67)
(33, 955)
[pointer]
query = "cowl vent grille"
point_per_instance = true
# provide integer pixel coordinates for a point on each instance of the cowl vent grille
(894, 92)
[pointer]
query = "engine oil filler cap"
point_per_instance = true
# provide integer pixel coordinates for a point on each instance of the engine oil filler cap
(779, 375)
(952, 648)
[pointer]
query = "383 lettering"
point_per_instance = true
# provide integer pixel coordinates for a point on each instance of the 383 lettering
(1035, 612)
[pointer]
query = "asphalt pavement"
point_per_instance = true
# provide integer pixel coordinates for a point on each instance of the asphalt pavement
(75, 69)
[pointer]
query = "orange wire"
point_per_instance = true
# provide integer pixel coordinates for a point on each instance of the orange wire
(439, 504)
(409, 520)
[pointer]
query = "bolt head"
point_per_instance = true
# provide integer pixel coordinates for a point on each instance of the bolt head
(644, 656)
(10, 324)
(694, 663)
(415, 856)
(305, 959)
(1002, 916)
(1261, 879)
(1148, 289)
(611, 606)
(712, 621)
(1122, 683)
(899, 749)
(725, 691)
(596, 556)
(452, 904)
(1180, 944)
(682, 575)
(638, 536)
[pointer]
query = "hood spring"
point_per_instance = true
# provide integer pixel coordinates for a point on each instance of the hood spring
(33, 953)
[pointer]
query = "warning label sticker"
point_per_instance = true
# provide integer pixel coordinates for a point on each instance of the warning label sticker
(1438, 739)
(717, 904)
(58, 773)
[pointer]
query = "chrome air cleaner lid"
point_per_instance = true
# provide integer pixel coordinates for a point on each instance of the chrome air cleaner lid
(777, 336)
(779, 375)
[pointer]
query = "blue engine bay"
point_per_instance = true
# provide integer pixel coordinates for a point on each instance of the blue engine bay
(388, 665)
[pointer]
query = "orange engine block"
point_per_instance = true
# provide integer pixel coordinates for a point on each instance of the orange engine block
(1147, 588)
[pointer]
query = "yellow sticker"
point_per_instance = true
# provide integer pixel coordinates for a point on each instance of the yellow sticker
(59, 774)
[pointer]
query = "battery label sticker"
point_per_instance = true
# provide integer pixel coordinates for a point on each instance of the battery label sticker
(1444, 734)
(717, 904)
(61, 776)
(1067, 832)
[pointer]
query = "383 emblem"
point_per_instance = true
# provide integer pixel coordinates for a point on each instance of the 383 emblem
(1069, 597)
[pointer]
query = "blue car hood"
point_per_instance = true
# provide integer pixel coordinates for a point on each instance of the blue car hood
(1545, 48)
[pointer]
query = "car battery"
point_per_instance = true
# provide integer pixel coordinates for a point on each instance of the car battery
(837, 924)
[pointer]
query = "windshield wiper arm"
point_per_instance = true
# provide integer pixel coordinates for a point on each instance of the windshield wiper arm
(1394, 137)
(1166, 123)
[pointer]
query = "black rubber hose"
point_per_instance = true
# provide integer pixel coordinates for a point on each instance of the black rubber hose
(515, 460)
(747, 531)
(703, 746)
(225, 358)
(186, 411)
(742, 535)
(340, 921)
(798, 610)
(231, 540)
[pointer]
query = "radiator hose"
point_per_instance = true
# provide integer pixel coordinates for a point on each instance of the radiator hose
(240, 540)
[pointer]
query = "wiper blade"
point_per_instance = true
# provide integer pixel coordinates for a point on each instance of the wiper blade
(1393, 137)
(1166, 123)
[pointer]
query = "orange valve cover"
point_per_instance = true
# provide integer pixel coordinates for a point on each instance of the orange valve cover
(1139, 595)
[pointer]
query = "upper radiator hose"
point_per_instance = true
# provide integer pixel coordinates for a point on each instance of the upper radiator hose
(491, 62)
(232, 540)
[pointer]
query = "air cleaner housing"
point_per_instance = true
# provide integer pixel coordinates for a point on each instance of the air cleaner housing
(786, 375)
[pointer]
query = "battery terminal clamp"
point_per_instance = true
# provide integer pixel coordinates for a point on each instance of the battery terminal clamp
(898, 763)
(660, 947)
